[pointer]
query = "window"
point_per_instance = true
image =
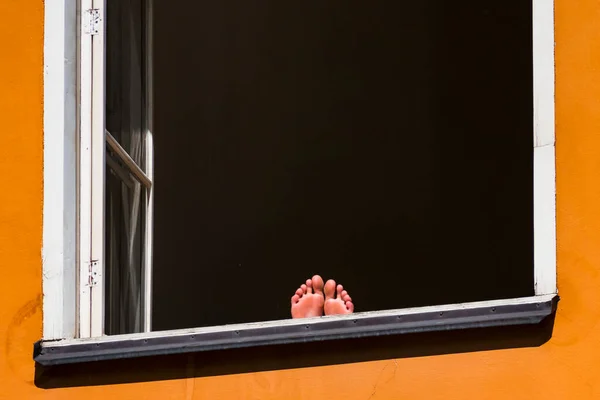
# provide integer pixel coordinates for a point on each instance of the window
(116, 154)
(394, 156)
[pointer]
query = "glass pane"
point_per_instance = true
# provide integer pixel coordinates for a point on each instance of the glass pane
(125, 224)
(125, 75)
(125, 197)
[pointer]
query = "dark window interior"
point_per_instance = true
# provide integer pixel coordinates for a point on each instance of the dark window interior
(385, 144)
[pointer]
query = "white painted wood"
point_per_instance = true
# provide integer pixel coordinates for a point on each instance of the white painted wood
(98, 170)
(85, 177)
(60, 157)
(148, 238)
(544, 153)
(126, 159)
(149, 128)
(544, 212)
(310, 321)
(543, 72)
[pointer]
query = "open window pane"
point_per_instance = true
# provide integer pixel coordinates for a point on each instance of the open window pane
(125, 220)
(125, 76)
(127, 185)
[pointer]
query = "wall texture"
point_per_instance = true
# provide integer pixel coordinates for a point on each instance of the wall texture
(565, 367)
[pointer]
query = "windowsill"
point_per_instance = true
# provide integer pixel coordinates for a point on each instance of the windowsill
(521, 311)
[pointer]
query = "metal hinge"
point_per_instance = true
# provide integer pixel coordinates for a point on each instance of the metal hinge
(93, 273)
(91, 21)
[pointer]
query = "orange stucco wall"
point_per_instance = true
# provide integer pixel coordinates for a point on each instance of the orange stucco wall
(566, 367)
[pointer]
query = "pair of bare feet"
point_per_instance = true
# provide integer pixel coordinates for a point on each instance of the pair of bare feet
(315, 298)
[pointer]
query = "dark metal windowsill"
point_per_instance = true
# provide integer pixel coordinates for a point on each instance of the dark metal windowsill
(530, 310)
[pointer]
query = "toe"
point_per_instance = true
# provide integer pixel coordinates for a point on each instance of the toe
(317, 284)
(330, 289)
(350, 306)
(340, 289)
(295, 299)
(303, 287)
(344, 293)
(346, 298)
(309, 286)
(299, 292)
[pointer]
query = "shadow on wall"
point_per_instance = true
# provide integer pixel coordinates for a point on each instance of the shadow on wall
(301, 355)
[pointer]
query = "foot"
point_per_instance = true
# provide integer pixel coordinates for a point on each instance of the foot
(337, 300)
(308, 300)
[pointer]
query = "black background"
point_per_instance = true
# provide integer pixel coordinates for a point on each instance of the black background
(385, 144)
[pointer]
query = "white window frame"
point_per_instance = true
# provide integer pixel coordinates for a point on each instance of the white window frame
(74, 312)
(91, 175)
